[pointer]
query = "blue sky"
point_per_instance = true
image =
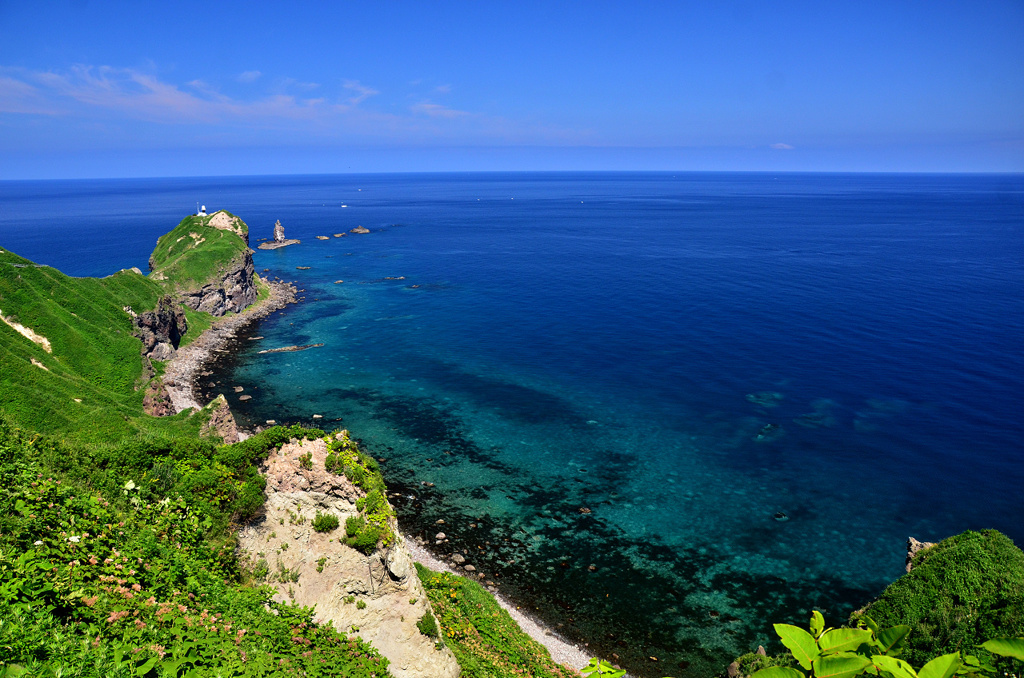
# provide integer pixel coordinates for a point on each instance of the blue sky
(179, 88)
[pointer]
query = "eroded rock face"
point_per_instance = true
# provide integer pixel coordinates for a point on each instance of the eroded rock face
(157, 401)
(379, 594)
(226, 222)
(160, 330)
(913, 546)
(278, 232)
(234, 292)
(222, 422)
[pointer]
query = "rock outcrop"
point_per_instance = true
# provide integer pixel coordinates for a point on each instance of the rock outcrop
(279, 239)
(913, 546)
(226, 222)
(378, 597)
(234, 292)
(222, 422)
(157, 401)
(160, 330)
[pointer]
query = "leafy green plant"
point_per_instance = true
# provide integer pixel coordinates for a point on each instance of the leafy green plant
(870, 649)
(428, 625)
(306, 461)
(325, 522)
(599, 667)
(361, 605)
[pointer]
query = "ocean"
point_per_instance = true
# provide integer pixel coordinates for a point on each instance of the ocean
(660, 411)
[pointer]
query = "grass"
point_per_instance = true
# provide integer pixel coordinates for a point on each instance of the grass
(485, 640)
(192, 253)
(92, 385)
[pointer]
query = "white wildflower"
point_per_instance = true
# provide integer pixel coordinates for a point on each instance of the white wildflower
(38, 543)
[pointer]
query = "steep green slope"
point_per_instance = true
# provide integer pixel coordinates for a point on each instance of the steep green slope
(88, 385)
(196, 251)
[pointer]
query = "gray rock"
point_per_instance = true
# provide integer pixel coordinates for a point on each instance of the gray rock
(160, 330)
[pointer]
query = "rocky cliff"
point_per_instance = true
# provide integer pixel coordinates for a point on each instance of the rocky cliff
(377, 596)
(160, 330)
(233, 292)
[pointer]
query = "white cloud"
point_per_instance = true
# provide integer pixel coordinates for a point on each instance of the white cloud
(105, 96)
(443, 89)
(781, 147)
(437, 110)
(362, 92)
(249, 76)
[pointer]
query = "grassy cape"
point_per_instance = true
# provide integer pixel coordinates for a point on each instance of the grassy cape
(117, 554)
(117, 549)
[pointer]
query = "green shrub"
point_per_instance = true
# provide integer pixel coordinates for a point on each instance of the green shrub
(306, 461)
(428, 625)
(325, 522)
(354, 525)
(964, 590)
(361, 605)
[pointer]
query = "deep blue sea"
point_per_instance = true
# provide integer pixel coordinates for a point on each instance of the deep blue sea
(662, 410)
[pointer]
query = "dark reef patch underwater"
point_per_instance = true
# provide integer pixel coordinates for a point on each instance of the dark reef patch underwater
(610, 385)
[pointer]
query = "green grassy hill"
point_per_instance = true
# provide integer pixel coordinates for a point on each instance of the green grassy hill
(196, 251)
(89, 384)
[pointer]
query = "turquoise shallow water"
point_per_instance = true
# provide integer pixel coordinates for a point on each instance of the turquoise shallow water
(686, 357)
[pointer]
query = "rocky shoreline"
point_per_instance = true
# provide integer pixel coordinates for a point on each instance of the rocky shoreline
(190, 361)
(181, 379)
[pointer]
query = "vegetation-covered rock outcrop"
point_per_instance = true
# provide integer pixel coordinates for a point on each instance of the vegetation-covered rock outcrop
(959, 593)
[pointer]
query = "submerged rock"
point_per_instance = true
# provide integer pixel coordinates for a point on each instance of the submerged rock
(765, 398)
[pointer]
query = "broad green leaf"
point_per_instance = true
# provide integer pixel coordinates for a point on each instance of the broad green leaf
(897, 667)
(799, 642)
(838, 640)
(940, 667)
(840, 667)
(817, 623)
(891, 638)
(868, 622)
(145, 668)
(778, 672)
(1006, 647)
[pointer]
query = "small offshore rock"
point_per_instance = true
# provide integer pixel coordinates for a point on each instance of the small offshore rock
(318, 416)
(440, 522)
(245, 397)
(458, 558)
(470, 568)
(272, 422)
(439, 535)
(239, 389)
